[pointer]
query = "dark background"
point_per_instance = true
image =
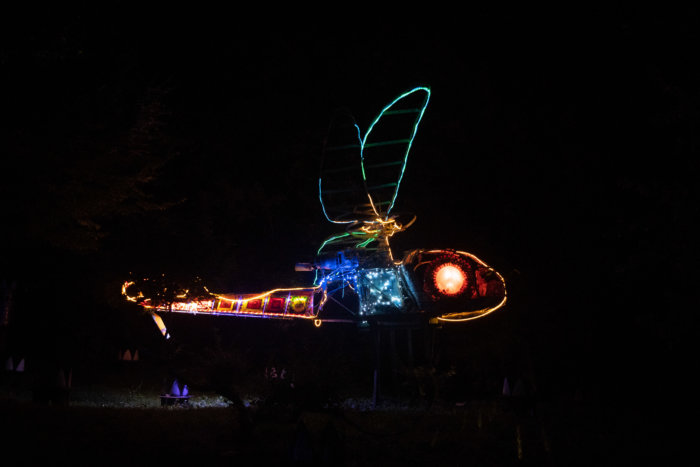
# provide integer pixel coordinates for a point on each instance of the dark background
(559, 146)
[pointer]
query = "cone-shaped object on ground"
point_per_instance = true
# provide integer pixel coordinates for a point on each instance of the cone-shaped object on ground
(506, 387)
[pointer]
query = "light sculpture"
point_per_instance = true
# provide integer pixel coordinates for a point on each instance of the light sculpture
(356, 273)
(450, 279)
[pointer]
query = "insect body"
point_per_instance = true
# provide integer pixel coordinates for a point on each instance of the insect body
(357, 277)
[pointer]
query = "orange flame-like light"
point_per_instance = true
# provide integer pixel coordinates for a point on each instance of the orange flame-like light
(450, 279)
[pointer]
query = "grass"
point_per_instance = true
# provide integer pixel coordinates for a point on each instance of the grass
(117, 419)
(476, 434)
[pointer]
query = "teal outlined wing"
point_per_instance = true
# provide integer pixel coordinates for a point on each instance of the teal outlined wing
(386, 145)
(340, 185)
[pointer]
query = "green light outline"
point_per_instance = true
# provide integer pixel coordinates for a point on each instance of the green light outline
(330, 239)
(365, 242)
(408, 149)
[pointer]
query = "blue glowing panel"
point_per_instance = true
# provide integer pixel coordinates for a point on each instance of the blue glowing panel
(380, 291)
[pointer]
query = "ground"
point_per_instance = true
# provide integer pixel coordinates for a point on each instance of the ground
(119, 422)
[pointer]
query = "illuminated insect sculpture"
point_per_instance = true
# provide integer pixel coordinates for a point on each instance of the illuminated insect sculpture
(357, 278)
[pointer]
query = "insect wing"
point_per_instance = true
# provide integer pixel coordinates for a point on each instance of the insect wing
(386, 145)
(340, 185)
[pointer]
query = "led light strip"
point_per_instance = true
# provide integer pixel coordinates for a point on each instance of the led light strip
(485, 311)
(207, 306)
(320, 191)
(408, 146)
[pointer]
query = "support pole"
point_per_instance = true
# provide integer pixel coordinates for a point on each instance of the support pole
(377, 366)
(409, 343)
(394, 354)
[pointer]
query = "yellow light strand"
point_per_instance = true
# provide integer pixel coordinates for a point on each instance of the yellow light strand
(479, 313)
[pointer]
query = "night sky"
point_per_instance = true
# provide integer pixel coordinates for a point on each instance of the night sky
(559, 146)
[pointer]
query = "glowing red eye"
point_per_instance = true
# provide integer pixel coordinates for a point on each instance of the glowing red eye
(450, 279)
